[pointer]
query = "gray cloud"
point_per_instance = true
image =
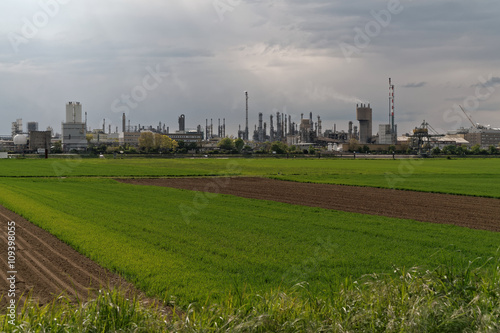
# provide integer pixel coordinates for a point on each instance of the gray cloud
(492, 81)
(414, 85)
(285, 53)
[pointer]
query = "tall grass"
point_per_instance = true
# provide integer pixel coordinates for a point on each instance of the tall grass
(441, 300)
(110, 311)
(414, 300)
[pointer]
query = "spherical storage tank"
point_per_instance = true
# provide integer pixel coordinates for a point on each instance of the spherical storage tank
(20, 139)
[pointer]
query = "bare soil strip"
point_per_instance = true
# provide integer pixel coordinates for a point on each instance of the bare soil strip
(48, 267)
(465, 211)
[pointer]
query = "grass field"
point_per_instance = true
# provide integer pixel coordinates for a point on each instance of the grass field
(231, 243)
(236, 246)
(480, 177)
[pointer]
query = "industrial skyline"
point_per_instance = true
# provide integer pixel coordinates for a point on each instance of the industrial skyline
(158, 60)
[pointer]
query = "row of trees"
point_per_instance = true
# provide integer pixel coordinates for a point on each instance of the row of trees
(232, 146)
(229, 145)
(149, 141)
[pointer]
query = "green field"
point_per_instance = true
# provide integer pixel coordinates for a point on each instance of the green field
(480, 177)
(191, 246)
(201, 248)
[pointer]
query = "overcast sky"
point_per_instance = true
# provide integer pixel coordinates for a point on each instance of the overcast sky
(157, 59)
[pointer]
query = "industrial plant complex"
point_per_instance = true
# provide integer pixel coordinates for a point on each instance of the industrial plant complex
(76, 136)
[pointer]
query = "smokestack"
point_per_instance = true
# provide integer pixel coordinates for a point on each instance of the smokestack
(271, 129)
(311, 121)
(104, 125)
(278, 126)
(261, 136)
(123, 122)
(246, 121)
(285, 125)
(182, 123)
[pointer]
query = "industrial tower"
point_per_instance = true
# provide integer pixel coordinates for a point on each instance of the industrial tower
(394, 135)
(246, 121)
(364, 116)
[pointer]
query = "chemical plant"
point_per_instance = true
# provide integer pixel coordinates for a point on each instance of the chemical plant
(76, 135)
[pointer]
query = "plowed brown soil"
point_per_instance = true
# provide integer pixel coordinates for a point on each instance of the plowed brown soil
(48, 267)
(465, 211)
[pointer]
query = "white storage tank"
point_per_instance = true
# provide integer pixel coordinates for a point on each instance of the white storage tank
(20, 139)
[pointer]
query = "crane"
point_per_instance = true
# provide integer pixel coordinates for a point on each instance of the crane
(468, 117)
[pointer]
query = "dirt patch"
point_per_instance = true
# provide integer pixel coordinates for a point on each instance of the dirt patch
(465, 211)
(47, 267)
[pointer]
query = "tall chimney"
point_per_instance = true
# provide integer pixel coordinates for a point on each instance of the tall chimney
(246, 120)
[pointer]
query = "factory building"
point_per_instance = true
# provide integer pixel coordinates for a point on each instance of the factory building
(187, 136)
(306, 130)
(129, 138)
(32, 126)
(17, 127)
(484, 137)
(130, 134)
(386, 135)
(39, 140)
(74, 129)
